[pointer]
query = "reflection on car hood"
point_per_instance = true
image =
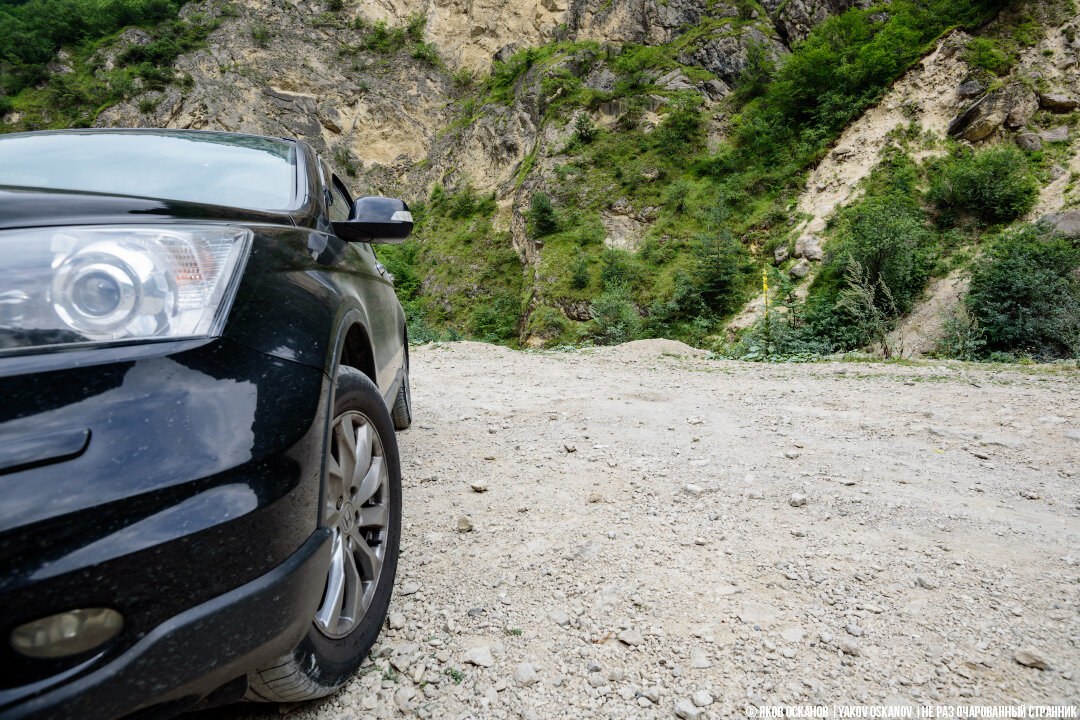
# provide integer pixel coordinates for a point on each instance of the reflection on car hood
(33, 207)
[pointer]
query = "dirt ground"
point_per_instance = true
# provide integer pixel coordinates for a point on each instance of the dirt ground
(655, 534)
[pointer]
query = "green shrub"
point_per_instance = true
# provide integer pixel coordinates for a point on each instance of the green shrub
(962, 337)
(1025, 294)
(32, 32)
(676, 195)
(383, 39)
(720, 269)
(260, 34)
(427, 52)
(758, 71)
(685, 314)
(681, 129)
(579, 273)
(343, 159)
(415, 26)
(615, 318)
(463, 78)
(542, 215)
(584, 129)
(548, 324)
(496, 319)
(6, 105)
(615, 268)
(464, 203)
(993, 184)
(868, 305)
(887, 237)
(987, 53)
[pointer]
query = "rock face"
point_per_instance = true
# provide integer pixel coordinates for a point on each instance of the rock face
(795, 18)
(1057, 102)
(1067, 223)
(1010, 106)
(727, 55)
(1029, 141)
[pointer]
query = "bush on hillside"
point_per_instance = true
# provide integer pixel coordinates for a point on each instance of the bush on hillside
(682, 127)
(542, 215)
(615, 317)
(720, 269)
(31, 33)
(992, 184)
(463, 203)
(887, 237)
(496, 318)
(987, 53)
(1025, 294)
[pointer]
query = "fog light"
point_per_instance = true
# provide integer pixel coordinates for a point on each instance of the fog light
(66, 633)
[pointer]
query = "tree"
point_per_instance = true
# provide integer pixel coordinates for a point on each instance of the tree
(542, 214)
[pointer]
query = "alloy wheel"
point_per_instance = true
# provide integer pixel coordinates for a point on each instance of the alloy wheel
(356, 509)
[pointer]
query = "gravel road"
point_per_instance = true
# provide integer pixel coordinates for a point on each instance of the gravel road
(640, 532)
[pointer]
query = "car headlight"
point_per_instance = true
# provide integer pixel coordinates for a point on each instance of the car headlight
(125, 283)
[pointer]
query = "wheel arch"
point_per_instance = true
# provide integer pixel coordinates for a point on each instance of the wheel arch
(357, 352)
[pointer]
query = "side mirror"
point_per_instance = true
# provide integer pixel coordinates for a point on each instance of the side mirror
(376, 220)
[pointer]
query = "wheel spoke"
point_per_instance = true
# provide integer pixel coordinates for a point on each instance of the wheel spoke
(330, 611)
(370, 562)
(352, 603)
(362, 454)
(346, 448)
(374, 516)
(371, 482)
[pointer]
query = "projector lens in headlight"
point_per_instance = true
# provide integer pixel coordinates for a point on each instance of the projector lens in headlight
(122, 283)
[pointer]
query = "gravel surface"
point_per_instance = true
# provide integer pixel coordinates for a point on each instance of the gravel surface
(640, 532)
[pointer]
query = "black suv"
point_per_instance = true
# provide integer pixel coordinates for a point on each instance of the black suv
(202, 365)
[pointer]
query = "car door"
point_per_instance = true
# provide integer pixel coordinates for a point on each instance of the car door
(377, 293)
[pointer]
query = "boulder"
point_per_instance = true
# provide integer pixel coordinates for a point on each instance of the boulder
(781, 254)
(1058, 134)
(1057, 102)
(1011, 105)
(1029, 141)
(1022, 110)
(800, 270)
(970, 89)
(1067, 223)
(715, 89)
(809, 247)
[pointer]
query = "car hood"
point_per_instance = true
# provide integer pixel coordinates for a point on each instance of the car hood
(35, 207)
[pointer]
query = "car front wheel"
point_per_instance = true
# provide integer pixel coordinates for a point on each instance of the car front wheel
(362, 507)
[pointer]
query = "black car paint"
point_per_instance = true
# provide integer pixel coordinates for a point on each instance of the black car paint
(200, 461)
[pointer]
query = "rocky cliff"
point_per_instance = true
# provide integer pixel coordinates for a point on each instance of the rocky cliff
(472, 110)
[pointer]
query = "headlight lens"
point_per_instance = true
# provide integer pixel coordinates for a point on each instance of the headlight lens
(125, 283)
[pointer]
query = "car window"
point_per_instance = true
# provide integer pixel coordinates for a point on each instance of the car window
(241, 171)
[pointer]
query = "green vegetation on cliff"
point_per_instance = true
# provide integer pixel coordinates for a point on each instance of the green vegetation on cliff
(694, 220)
(69, 90)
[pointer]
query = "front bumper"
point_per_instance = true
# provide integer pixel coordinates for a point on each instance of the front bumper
(179, 475)
(189, 655)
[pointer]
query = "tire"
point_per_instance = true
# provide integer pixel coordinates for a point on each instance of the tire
(402, 410)
(355, 601)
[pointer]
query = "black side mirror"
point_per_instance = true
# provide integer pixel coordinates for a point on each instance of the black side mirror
(379, 220)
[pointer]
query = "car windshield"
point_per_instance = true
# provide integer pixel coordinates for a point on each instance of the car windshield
(216, 168)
